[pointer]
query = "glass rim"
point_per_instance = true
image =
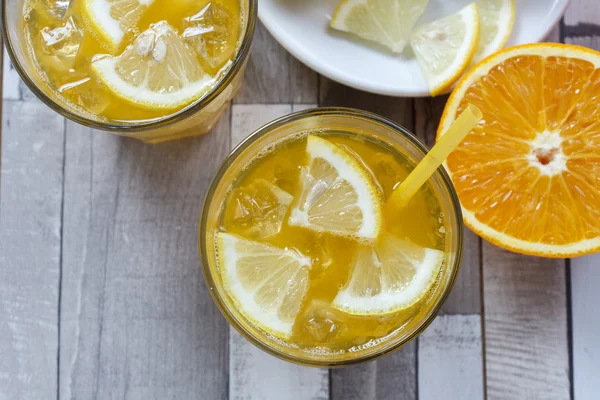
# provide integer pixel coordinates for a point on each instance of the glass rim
(265, 130)
(112, 126)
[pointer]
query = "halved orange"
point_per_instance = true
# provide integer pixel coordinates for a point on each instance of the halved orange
(528, 176)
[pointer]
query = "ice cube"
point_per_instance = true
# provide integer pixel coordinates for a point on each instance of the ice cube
(207, 33)
(319, 250)
(58, 8)
(62, 42)
(258, 209)
(87, 94)
(323, 323)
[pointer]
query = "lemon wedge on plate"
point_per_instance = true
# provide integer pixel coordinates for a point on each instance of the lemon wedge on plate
(157, 72)
(387, 22)
(111, 19)
(390, 276)
(267, 283)
(497, 18)
(338, 195)
(445, 48)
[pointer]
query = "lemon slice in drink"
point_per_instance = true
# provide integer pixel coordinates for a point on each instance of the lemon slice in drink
(157, 72)
(338, 195)
(111, 19)
(387, 22)
(445, 48)
(267, 283)
(497, 18)
(391, 276)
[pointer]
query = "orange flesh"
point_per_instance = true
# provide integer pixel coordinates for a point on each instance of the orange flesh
(498, 169)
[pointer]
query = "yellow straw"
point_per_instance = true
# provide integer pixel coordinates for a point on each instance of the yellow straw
(432, 161)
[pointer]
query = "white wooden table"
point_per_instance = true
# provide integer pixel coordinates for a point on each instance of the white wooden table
(102, 297)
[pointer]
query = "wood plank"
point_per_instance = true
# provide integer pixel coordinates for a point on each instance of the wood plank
(466, 295)
(583, 12)
(137, 320)
(10, 79)
(246, 118)
(398, 109)
(302, 107)
(256, 375)
(394, 376)
(525, 314)
(450, 364)
(30, 249)
(274, 76)
(252, 371)
(525, 323)
(450, 350)
(389, 378)
(585, 281)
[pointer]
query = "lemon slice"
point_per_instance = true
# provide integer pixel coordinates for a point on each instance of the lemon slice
(445, 48)
(339, 195)
(158, 71)
(391, 276)
(387, 22)
(111, 19)
(267, 283)
(497, 18)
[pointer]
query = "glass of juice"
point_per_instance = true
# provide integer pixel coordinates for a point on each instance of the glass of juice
(302, 253)
(155, 70)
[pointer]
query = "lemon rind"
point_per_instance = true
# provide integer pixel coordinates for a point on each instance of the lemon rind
(508, 12)
(462, 60)
(98, 15)
(369, 200)
(142, 96)
(243, 299)
(388, 302)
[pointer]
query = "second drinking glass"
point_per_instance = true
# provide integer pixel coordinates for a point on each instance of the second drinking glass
(153, 70)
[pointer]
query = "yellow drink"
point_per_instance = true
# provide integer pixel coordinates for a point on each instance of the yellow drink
(240, 203)
(63, 40)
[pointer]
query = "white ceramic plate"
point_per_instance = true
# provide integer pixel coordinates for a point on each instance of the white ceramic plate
(302, 27)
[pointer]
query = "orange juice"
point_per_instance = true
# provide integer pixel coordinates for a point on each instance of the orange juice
(315, 290)
(136, 61)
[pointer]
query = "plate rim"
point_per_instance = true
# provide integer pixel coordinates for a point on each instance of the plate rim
(280, 37)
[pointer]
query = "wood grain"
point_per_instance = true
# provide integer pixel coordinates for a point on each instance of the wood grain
(525, 310)
(30, 249)
(466, 295)
(450, 364)
(137, 321)
(246, 118)
(525, 322)
(254, 374)
(585, 281)
(450, 351)
(274, 76)
(13, 88)
(389, 378)
(583, 12)
(397, 109)
(585, 276)
(395, 375)
(10, 79)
